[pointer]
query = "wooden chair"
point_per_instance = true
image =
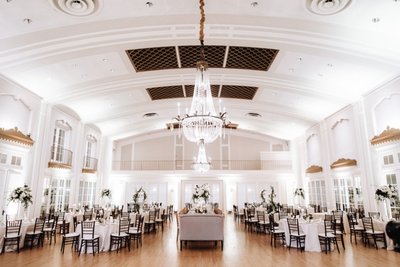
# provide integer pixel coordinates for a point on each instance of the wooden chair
(276, 233)
(88, 238)
(150, 224)
(50, 229)
(12, 235)
(355, 229)
(69, 238)
(122, 237)
(60, 215)
(370, 233)
(135, 233)
(295, 234)
(36, 236)
(262, 224)
(159, 219)
(329, 236)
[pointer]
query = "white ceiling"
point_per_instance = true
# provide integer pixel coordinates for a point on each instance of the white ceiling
(325, 62)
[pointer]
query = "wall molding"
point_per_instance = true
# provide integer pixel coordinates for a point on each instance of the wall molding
(16, 136)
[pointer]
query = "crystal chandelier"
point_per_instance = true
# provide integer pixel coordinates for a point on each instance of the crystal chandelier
(201, 164)
(202, 122)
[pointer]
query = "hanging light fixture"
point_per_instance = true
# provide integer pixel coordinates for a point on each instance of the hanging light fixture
(202, 122)
(201, 164)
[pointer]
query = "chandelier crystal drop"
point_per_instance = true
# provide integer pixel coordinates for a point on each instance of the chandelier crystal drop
(201, 164)
(202, 122)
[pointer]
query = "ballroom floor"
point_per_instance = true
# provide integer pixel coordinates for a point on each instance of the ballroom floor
(241, 248)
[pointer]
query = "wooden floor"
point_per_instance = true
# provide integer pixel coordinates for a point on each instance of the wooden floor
(241, 248)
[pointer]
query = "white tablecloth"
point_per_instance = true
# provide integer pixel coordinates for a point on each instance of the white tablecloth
(25, 227)
(310, 229)
(380, 225)
(104, 230)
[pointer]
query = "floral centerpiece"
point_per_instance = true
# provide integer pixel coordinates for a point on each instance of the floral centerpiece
(23, 195)
(262, 195)
(386, 192)
(139, 195)
(201, 192)
(272, 203)
(299, 192)
(106, 193)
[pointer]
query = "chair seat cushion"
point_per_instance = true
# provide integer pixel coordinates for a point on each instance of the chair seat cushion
(374, 232)
(90, 237)
(119, 235)
(278, 231)
(12, 235)
(328, 235)
(71, 235)
(297, 234)
(34, 233)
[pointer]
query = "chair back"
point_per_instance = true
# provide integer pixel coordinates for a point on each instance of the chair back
(282, 215)
(52, 223)
(157, 214)
(13, 228)
(330, 227)
(124, 225)
(351, 218)
(139, 225)
(251, 212)
(61, 216)
(368, 224)
(125, 215)
(271, 222)
(152, 215)
(260, 216)
(293, 226)
(87, 229)
(374, 214)
(39, 225)
(87, 215)
(65, 227)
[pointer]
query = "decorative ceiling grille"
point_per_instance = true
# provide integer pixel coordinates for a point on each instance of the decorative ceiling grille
(227, 91)
(165, 92)
(214, 55)
(239, 92)
(251, 58)
(157, 58)
(160, 58)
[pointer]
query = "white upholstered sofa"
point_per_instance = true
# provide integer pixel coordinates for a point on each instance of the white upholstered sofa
(201, 227)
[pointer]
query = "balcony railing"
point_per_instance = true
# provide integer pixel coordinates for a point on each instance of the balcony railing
(89, 165)
(60, 158)
(151, 165)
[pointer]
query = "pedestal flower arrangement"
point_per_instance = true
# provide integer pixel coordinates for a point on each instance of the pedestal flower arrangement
(201, 193)
(22, 195)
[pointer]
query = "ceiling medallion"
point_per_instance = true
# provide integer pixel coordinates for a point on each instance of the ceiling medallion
(79, 8)
(327, 7)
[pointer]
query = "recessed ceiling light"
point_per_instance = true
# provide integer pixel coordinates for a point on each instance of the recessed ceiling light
(8, 1)
(149, 4)
(254, 114)
(150, 114)
(330, 65)
(27, 21)
(112, 70)
(254, 4)
(299, 59)
(105, 59)
(375, 20)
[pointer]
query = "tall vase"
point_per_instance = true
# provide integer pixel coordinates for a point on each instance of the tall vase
(384, 209)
